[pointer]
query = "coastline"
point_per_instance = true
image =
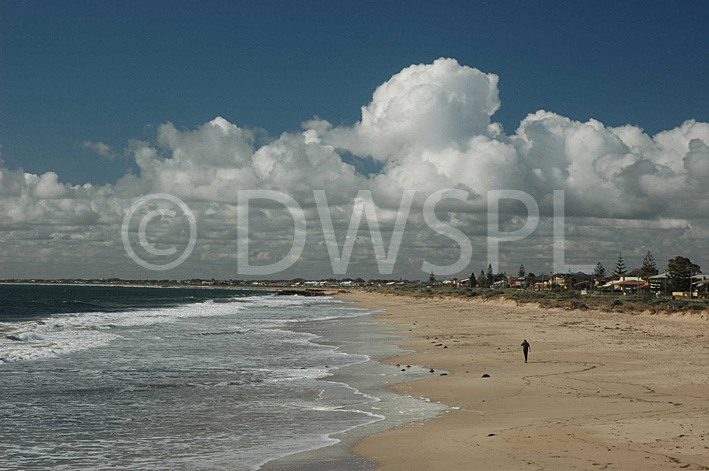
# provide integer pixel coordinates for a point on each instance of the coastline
(601, 390)
(361, 335)
(357, 335)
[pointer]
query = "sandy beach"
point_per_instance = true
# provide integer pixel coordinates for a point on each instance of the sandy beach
(600, 391)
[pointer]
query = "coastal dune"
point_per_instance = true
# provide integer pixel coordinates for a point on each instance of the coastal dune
(600, 391)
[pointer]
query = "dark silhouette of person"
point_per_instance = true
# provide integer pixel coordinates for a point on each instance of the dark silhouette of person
(526, 347)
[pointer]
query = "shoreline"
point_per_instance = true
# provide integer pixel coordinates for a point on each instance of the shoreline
(607, 302)
(360, 335)
(601, 390)
(355, 335)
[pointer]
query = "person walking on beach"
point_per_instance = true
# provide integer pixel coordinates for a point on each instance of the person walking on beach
(526, 348)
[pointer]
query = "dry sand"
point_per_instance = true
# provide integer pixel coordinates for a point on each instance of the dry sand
(600, 391)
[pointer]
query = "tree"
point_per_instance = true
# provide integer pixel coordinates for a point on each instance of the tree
(620, 268)
(531, 279)
(681, 270)
(489, 277)
(649, 267)
(522, 272)
(431, 278)
(482, 281)
(600, 271)
(473, 281)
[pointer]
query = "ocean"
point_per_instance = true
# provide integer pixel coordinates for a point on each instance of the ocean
(172, 378)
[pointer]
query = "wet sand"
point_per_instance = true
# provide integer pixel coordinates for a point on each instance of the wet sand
(360, 336)
(600, 391)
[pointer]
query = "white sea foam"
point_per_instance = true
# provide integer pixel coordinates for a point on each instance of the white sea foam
(44, 342)
(207, 396)
(69, 333)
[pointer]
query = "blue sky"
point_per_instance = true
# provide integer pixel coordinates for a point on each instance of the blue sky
(113, 71)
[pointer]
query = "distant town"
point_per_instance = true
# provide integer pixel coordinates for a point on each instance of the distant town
(681, 279)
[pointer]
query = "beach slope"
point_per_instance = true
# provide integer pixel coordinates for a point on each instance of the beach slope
(600, 391)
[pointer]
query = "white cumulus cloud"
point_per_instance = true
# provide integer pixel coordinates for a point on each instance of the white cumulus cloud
(430, 127)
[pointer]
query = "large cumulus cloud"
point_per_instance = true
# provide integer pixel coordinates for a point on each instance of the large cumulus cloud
(429, 127)
(433, 106)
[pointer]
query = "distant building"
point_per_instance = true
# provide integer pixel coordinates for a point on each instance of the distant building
(701, 285)
(627, 284)
(516, 282)
(659, 283)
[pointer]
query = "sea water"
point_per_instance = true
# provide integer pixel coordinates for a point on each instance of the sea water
(166, 378)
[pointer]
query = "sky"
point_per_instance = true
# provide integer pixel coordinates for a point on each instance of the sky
(104, 102)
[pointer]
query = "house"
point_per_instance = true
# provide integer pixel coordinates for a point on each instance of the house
(585, 284)
(659, 283)
(516, 282)
(626, 284)
(559, 280)
(662, 284)
(702, 288)
(630, 285)
(542, 282)
(700, 284)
